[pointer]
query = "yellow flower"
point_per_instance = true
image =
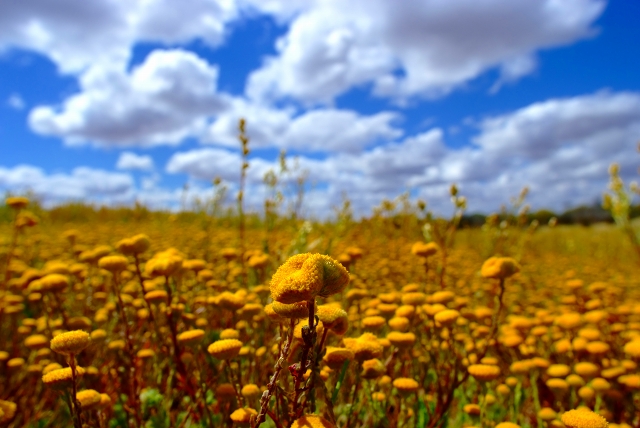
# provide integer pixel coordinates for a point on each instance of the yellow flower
(365, 347)
(144, 354)
(53, 282)
(405, 385)
(298, 310)
(191, 336)
(61, 378)
(243, 416)
(507, 425)
(334, 318)
(113, 263)
(305, 276)
(105, 400)
(425, 250)
(71, 342)
(499, 267)
(447, 317)
(89, 398)
(17, 202)
(156, 296)
(401, 340)
(484, 372)
(335, 357)
(558, 370)
(36, 341)
(471, 409)
(250, 391)
(632, 348)
(547, 414)
(312, 421)
(583, 418)
(372, 369)
(225, 349)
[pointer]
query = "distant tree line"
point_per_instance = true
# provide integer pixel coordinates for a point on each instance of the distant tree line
(585, 215)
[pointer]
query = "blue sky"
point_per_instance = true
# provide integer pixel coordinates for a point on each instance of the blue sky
(112, 101)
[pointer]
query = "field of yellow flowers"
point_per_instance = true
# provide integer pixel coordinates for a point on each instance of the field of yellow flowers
(401, 320)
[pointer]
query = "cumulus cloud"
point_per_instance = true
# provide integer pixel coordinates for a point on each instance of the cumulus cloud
(320, 130)
(417, 48)
(86, 184)
(76, 34)
(130, 160)
(162, 101)
(209, 163)
(560, 148)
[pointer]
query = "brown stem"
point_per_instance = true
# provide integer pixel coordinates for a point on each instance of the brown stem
(309, 339)
(133, 395)
(266, 396)
(74, 392)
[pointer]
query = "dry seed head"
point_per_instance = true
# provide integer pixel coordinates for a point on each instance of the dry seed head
(71, 342)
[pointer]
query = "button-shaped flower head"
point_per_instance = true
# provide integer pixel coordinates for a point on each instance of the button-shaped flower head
(499, 267)
(305, 276)
(583, 418)
(71, 342)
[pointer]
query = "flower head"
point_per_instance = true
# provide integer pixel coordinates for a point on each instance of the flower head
(71, 342)
(305, 276)
(583, 418)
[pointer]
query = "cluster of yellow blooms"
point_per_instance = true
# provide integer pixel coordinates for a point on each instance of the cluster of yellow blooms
(172, 328)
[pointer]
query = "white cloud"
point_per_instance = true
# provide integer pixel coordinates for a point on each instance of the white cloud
(320, 130)
(436, 46)
(560, 148)
(16, 102)
(209, 163)
(76, 33)
(162, 101)
(86, 184)
(130, 160)
(541, 128)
